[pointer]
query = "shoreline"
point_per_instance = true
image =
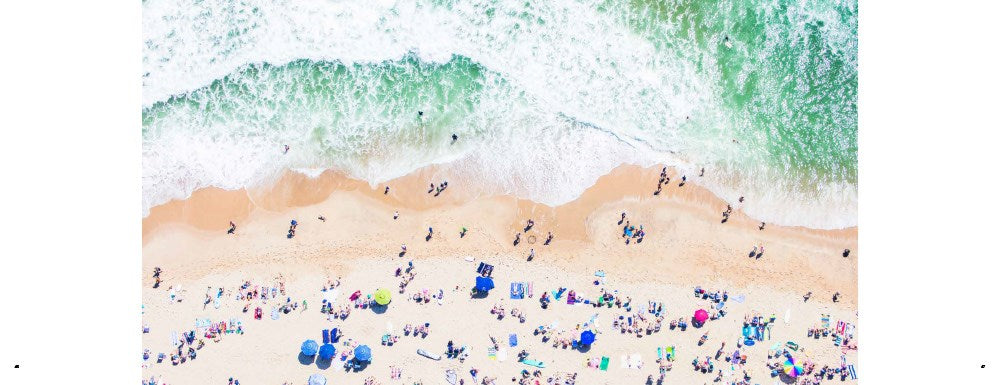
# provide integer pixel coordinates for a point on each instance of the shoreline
(211, 208)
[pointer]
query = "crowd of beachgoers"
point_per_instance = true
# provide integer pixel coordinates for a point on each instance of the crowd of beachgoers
(623, 319)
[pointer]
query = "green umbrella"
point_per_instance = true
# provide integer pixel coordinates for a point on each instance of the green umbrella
(382, 297)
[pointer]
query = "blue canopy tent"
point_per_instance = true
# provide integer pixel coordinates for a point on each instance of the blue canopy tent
(587, 337)
(363, 353)
(484, 283)
(317, 379)
(310, 348)
(327, 351)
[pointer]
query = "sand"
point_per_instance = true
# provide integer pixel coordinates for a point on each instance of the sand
(359, 243)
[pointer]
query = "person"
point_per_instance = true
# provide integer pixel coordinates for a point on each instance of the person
(464, 230)
(432, 188)
(454, 138)
(847, 252)
(322, 218)
(702, 172)
(232, 228)
(396, 215)
(549, 239)
(531, 255)
(386, 190)
(741, 199)
(761, 226)
(287, 148)
(420, 113)
(404, 250)
(836, 296)
(806, 297)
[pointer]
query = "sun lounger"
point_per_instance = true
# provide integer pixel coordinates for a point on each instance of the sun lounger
(604, 363)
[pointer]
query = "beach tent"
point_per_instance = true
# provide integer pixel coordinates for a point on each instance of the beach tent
(382, 296)
(793, 368)
(327, 351)
(701, 315)
(587, 337)
(484, 283)
(317, 379)
(310, 347)
(363, 353)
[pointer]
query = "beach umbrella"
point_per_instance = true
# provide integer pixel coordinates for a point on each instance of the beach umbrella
(327, 351)
(587, 337)
(317, 379)
(309, 347)
(701, 315)
(793, 368)
(382, 296)
(363, 353)
(484, 283)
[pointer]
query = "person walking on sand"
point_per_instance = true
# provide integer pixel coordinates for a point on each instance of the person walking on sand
(232, 228)
(761, 227)
(404, 250)
(454, 138)
(805, 298)
(702, 172)
(836, 296)
(386, 191)
(322, 218)
(531, 255)
(432, 188)
(287, 148)
(847, 252)
(396, 215)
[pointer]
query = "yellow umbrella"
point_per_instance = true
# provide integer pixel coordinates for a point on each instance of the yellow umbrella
(382, 297)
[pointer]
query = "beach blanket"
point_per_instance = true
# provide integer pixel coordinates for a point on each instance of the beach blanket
(671, 353)
(635, 361)
(516, 290)
(604, 363)
(512, 340)
(491, 352)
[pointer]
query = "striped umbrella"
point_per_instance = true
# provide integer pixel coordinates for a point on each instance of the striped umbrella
(793, 368)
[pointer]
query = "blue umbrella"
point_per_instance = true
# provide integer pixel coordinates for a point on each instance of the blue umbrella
(317, 379)
(484, 283)
(310, 347)
(363, 353)
(587, 337)
(327, 351)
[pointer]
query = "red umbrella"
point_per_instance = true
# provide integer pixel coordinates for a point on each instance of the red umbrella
(701, 315)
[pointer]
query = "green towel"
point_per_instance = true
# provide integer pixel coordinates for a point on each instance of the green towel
(604, 363)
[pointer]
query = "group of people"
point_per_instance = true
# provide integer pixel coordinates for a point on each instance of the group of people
(420, 329)
(437, 190)
(629, 232)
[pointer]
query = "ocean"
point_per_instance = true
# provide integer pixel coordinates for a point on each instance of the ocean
(545, 96)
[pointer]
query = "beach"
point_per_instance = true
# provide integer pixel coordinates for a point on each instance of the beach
(686, 245)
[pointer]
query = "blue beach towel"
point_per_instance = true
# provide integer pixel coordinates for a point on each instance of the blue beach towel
(850, 370)
(512, 340)
(326, 336)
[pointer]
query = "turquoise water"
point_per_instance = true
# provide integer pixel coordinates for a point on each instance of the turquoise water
(546, 97)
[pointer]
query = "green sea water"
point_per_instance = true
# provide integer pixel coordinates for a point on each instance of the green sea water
(545, 96)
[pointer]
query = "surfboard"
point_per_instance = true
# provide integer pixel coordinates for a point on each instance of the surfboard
(422, 352)
(537, 364)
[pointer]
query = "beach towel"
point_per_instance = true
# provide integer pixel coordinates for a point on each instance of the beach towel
(849, 330)
(502, 355)
(825, 320)
(491, 352)
(600, 273)
(450, 376)
(852, 372)
(174, 340)
(659, 352)
(624, 361)
(788, 316)
(635, 361)
(604, 363)
(427, 354)
(516, 290)
(216, 303)
(469, 259)
(671, 353)
(739, 299)
(274, 313)
(530, 292)
(537, 364)
(333, 335)
(840, 327)
(512, 340)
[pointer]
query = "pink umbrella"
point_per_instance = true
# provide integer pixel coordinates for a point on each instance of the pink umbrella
(701, 315)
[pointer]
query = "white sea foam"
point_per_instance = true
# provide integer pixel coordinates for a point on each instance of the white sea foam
(570, 93)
